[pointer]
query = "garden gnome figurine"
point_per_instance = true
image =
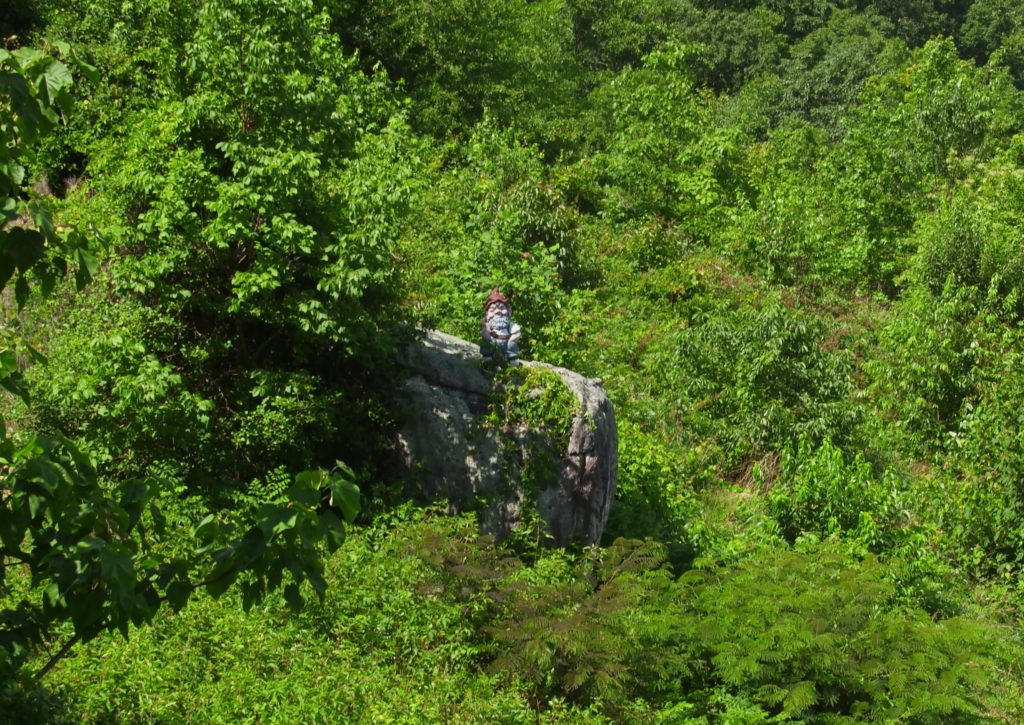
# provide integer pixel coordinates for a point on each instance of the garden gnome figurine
(500, 334)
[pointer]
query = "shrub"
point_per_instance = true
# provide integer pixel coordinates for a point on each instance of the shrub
(810, 634)
(379, 647)
(495, 220)
(974, 238)
(259, 199)
(654, 496)
(757, 376)
(818, 491)
(664, 157)
(923, 369)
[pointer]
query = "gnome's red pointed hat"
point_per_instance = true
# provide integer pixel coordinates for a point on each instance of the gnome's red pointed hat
(495, 296)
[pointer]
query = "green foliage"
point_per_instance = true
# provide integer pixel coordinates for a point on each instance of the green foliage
(425, 614)
(653, 497)
(597, 639)
(916, 21)
(925, 369)
(462, 58)
(915, 131)
(737, 43)
(379, 647)
(596, 629)
(817, 492)
(34, 90)
(992, 26)
(663, 157)
(611, 36)
(977, 498)
(260, 199)
(495, 220)
(823, 77)
(106, 384)
(973, 238)
(94, 555)
(762, 372)
(808, 634)
(785, 234)
(535, 398)
(91, 551)
(50, 505)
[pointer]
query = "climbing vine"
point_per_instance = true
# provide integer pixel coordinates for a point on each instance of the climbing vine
(536, 399)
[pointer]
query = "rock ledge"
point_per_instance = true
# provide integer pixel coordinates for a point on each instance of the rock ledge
(446, 448)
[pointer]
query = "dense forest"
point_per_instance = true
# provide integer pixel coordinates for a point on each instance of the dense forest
(787, 235)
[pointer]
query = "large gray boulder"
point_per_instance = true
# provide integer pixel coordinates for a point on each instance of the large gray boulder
(454, 444)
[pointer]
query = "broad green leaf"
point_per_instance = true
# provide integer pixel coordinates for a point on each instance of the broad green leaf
(88, 544)
(345, 495)
(83, 464)
(30, 116)
(252, 592)
(14, 383)
(278, 521)
(7, 268)
(221, 578)
(8, 362)
(8, 208)
(52, 597)
(42, 216)
(293, 596)
(47, 280)
(317, 580)
(306, 490)
(134, 492)
(87, 614)
(86, 269)
(332, 530)
(36, 503)
(159, 520)
(207, 530)
(24, 246)
(117, 567)
(178, 594)
(21, 292)
(28, 56)
(14, 172)
(310, 479)
(57, 77)
(251, 547)
(91, 72)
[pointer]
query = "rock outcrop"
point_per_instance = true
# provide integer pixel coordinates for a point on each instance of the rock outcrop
(454, 444)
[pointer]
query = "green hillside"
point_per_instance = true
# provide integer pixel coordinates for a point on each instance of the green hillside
(787, 235)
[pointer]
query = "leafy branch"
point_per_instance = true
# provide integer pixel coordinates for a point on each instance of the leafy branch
(85, 541)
